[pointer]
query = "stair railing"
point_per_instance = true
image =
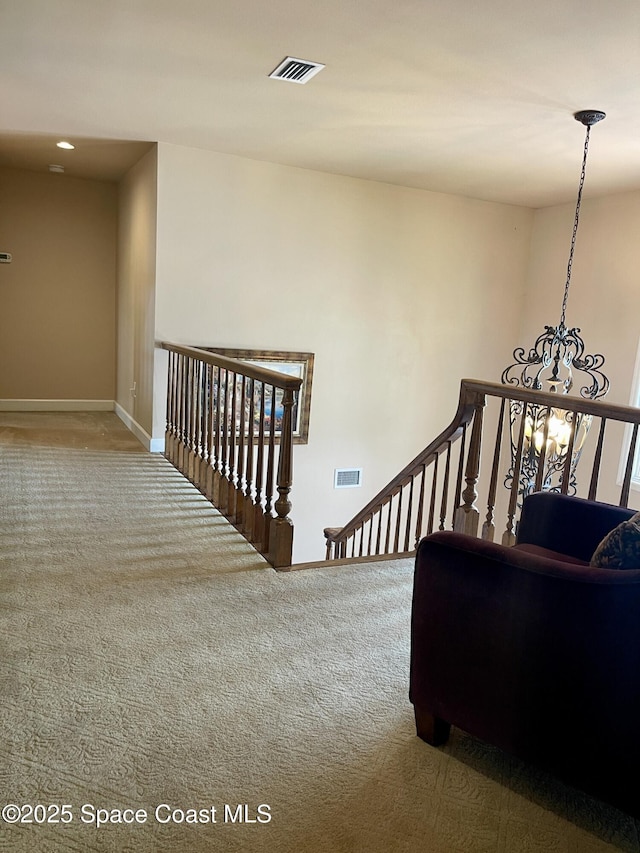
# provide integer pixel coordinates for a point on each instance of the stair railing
(230, 431)
(442, 487)
(414, 501)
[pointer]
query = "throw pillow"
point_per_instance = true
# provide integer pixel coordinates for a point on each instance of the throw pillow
(620, 549)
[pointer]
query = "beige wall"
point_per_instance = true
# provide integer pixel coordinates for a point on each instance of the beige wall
(399, 293)
(137, 204)
(57, 321)
(604, 298)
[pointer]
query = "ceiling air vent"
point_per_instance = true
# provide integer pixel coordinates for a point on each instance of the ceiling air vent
(347, 478)
(296, 70)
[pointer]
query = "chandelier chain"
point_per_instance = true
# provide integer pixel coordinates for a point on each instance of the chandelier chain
(575, 229)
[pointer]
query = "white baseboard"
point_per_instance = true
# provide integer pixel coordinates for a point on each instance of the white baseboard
(153, 445)
(56, 405)
(156, 445)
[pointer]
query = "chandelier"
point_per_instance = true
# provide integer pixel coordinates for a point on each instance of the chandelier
(549, 366)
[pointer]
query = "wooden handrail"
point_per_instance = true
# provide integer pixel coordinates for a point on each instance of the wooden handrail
(464, 414)
(569, 402)
(234, 454)
(216, 412)
(522, 404)
(235, 365)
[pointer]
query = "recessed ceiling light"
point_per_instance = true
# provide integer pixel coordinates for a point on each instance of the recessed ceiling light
(55, 167)
(67, 145)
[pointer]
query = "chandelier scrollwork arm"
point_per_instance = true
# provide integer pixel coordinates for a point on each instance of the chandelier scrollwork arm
(554, 348)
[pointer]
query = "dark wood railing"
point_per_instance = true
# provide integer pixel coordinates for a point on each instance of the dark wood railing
(230, 431)
(442, 486)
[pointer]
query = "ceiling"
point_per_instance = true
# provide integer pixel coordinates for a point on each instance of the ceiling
(99, 159)
(458, 97)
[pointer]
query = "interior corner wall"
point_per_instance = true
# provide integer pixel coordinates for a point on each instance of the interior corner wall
(137, 203)
(57, 321)
(400, 293)
(604, 300)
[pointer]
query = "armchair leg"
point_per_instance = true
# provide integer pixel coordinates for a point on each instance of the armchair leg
(431, 729)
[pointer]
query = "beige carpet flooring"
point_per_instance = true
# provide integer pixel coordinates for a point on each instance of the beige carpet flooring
(149, 657)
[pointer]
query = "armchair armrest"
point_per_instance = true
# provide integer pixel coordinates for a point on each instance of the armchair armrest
(567, 524)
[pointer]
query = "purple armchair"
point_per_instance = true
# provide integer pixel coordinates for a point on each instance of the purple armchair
(530, 649)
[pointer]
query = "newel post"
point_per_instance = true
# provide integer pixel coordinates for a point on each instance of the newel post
(467, 515)
(281, 534)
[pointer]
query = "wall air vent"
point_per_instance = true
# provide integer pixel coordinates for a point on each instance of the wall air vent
(296, 70)
(347, 478)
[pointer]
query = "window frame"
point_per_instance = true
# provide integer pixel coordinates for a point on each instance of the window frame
(634, 400)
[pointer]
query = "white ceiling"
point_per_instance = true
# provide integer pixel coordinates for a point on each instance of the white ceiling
(472, 98)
